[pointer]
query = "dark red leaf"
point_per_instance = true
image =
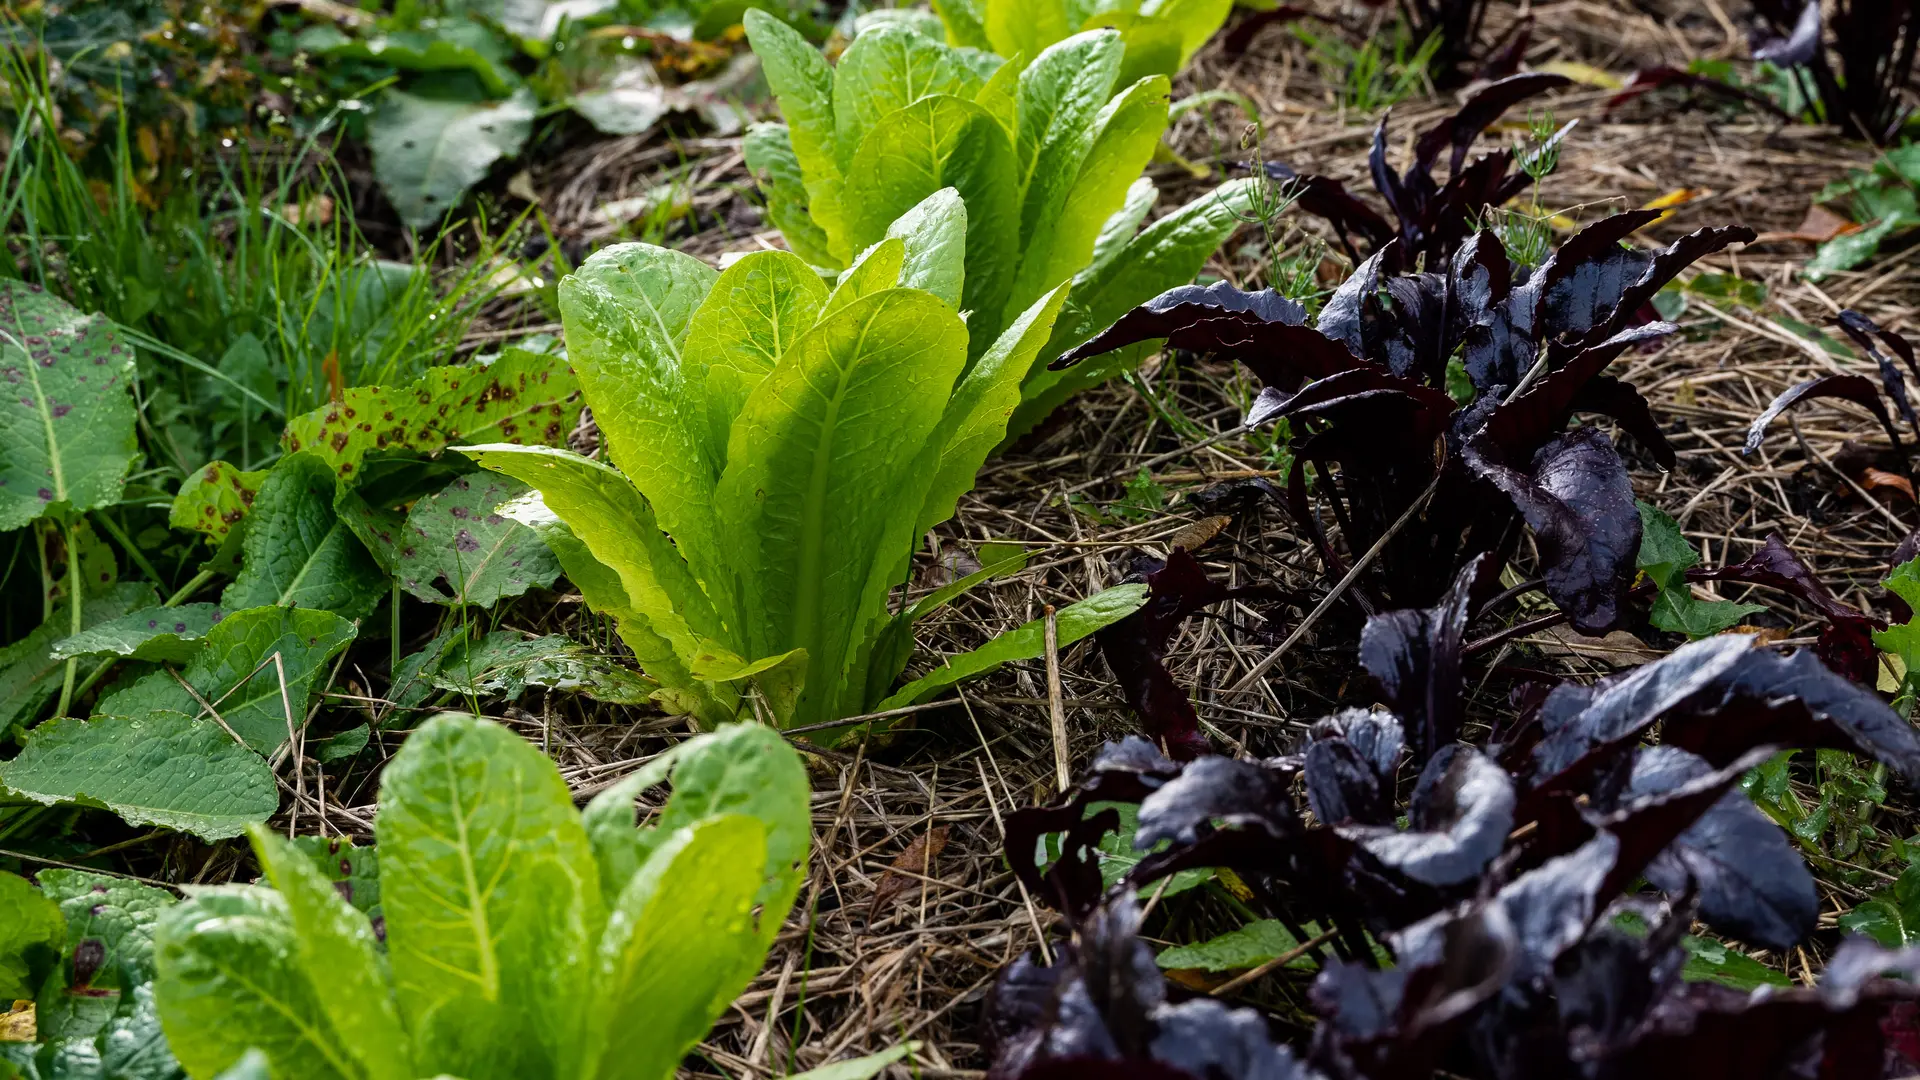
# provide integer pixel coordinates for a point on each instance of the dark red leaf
(1483, 108)
(1341, 787)
(1721, 697)
(1263, 330)
(1578, 500)
(1750, 881)
(1395, 1024)
(1664, 267)
(1776, 566)
(1415, 655)
(1855, 388)
(1460, 817)
(1217, 791)
(1136, 647)
(1327, 198)
(1800, 47)
(1863, 330)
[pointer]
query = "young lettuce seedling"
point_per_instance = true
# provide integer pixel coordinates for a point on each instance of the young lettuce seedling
(518, 936)
(778, 448)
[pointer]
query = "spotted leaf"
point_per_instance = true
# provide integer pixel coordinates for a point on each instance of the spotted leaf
(66, 418)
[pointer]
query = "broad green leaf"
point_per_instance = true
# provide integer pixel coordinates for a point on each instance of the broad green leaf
(30, 674)
(924, 23)
(935, 232)
(161, 768)
(1196, 21)
(778, 677)
(337, 949)
(428, 151)
(756, 309)
(492, 902)
(740, 769)
(1665, 556)
(876, 270)
(680, 944)
(620, 95)
(350, 869)
(619, 845)
(940, 142)
(1061, 233)
(66, 419)
(1904, 582)
(983, 402)
(748, 769)
(601, 587)
(29, 923)
(1118, 856)
(1850, 250)
(456, 548)
(1664, 553)
(523, 397)
(860, 1068)
(1238, 950)
(1678, 610)
(299, 552)
(1167, 253)
(236, 674)
(133, 1046)
(1001, 95)
(453, 45)
(770, 157)
(1716, 961)
(618, 528)
(885, 70)
(504, 663)
(156, 634)
(253, 1065)
(230, 981)
(826, 439)
(1061, 92)
(1122, 224)
(1025, 26)
(627, 312)
(118, 912)
(1071, 623)
(412, 682)
(966, 22)
(214, 499)
(804, 84)
(1153, 44)
(1892, 915)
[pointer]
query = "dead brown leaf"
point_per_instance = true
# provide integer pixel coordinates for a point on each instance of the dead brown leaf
(1199, 532)
(1819, 226)
(19, 1024)
(1880, 478)
(918, 859)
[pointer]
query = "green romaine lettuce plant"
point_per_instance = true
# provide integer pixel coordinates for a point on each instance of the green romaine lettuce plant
(518, 937)
(1046, 155)
(777, 449)
(1160, 35)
